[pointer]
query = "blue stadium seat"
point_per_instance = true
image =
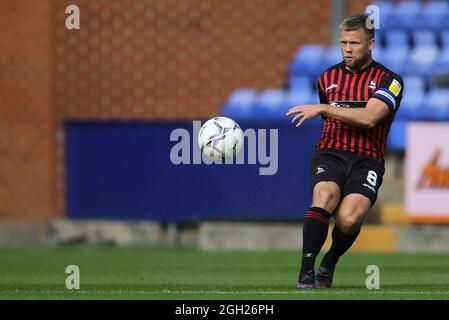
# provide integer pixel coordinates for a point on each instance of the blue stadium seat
(332, 56)
(441, 64)
(432, 15)
(444, 38)
(414, 84)
(412, 102)
(437, 101)
(314, 98)
(385, 9)
(377, 52)
(300, 83)
(397, 136)
(404, 14)
(394, 58)
(307, 60)
(445, 21)
(379, 38)
(421, 61)
(240, 104)
(396, 38)
(269, 104)
(411, 105)
(424, 38)
(296, 97)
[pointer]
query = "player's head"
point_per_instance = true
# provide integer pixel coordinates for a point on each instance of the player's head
(356, 41)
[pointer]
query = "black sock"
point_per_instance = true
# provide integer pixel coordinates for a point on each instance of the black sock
(340, 244)
(314, 235)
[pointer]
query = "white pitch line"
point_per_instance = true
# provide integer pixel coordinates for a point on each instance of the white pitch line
(248, 292)
(304, 291)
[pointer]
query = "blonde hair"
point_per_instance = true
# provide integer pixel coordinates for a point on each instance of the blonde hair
(358, 22)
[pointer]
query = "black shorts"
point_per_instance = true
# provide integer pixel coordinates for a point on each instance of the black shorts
(352, 173)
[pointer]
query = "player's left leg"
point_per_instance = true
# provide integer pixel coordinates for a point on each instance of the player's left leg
(359, 195)
(349, 219)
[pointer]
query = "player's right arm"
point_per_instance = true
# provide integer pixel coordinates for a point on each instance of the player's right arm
(385, 100)
(367, 117)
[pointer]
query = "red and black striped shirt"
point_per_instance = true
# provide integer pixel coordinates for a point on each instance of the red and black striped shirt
(339, 87)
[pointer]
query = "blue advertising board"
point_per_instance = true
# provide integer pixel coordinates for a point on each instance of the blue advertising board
(124, 170)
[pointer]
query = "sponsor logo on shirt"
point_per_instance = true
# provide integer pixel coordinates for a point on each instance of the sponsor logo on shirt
(333, 85)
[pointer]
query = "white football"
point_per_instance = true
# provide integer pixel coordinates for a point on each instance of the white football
(220, 139)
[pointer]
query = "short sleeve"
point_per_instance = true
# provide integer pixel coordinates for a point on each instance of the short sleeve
(322, 95)
(390, 91)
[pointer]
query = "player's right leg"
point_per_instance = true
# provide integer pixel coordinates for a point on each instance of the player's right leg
(328, 176)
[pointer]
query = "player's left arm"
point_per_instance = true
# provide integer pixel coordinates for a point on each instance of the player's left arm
(385, 100)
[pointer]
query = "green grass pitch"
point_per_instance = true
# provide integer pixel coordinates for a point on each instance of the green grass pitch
(157, 272)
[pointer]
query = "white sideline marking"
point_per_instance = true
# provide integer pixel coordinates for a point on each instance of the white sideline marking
(279, 292)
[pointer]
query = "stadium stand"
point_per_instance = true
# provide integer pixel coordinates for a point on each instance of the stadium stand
(240, 103)
(413, 41)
